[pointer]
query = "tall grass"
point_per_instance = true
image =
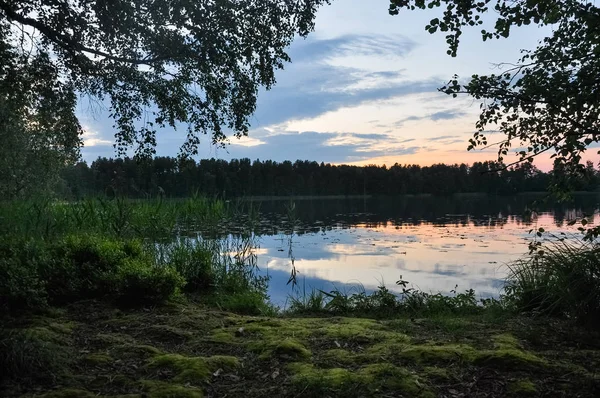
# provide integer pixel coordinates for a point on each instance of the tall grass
(151, 219)
(562, 279)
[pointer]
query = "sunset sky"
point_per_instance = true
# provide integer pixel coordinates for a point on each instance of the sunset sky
(361, 89)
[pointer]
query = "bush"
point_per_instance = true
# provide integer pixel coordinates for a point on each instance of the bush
(140, 284)
(563, 279)
(34, 272)
(84, 267)
(194, 263)
(247, 303)
(20, 287)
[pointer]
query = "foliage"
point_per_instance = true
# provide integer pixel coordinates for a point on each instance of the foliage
(548, 101)
(155, 63)
(80, 267)
(384, 303)
(194, 262)
(242, 178)
(38, 129)
(562, 279)
(138, 284)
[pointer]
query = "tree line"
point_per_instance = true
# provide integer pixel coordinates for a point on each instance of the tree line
(174, 177)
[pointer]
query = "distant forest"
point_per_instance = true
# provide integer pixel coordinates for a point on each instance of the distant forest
(214, 177)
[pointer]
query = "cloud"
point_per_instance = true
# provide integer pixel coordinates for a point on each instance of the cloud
(442, 137)
(437, 116)
(313, 48)
(446, 115)
(318, 146)
(92, 138)
(311, 85)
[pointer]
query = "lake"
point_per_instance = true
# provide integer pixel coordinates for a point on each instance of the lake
(434, 243)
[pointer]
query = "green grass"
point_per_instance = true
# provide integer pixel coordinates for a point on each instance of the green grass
(561, 279)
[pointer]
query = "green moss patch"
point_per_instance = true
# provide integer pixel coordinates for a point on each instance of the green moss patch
(159, 389)
(522, 388)
(371, 379)
(166, 333)
(69, 393)
(136, 351)
(508, 358)
(97, 359)
(359, 331)
(193, 370)
(288, 349)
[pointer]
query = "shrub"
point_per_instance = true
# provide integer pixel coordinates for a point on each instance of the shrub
(20, 286)
(247, 303)
(563, 279)
(195, 263)
(34, 272)
(83, 267)
(139, 283)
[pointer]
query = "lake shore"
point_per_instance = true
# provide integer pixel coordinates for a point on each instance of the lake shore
(185, 349)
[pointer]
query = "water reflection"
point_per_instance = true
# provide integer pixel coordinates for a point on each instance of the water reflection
(433, 243)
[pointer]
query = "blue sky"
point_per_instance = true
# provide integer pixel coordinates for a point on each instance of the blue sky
(361, 89)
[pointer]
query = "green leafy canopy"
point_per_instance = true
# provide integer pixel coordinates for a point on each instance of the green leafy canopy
(157, 63)
(549, 100)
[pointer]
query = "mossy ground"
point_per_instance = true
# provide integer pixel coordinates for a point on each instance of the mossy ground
(188, 350)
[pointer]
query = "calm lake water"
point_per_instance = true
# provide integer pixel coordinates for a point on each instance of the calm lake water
(434, 243)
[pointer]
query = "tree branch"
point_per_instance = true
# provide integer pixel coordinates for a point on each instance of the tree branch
(68, 43)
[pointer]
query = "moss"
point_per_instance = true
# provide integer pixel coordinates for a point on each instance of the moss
(510, 358)
(424, 354)
(389, 377)
(222, 362)
(286, 349)
(69, 393)
(310, 377)
(106, 339)
(373, 379)
(359, 331)
(64, 328)
(45, 334)
(168, 333)
(159, 389)
(122, 381)
(505, 341)
(339, 356)
(136, 350)
(35, 353)
(222, 336)
(97, 359)
(522, 388)
(435, 373)
(290, 328)
(195, 370)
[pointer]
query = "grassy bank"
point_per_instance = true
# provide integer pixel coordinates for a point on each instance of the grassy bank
(104, 299)
(185, 349)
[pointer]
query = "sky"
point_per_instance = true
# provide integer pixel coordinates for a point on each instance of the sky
(361, 89)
